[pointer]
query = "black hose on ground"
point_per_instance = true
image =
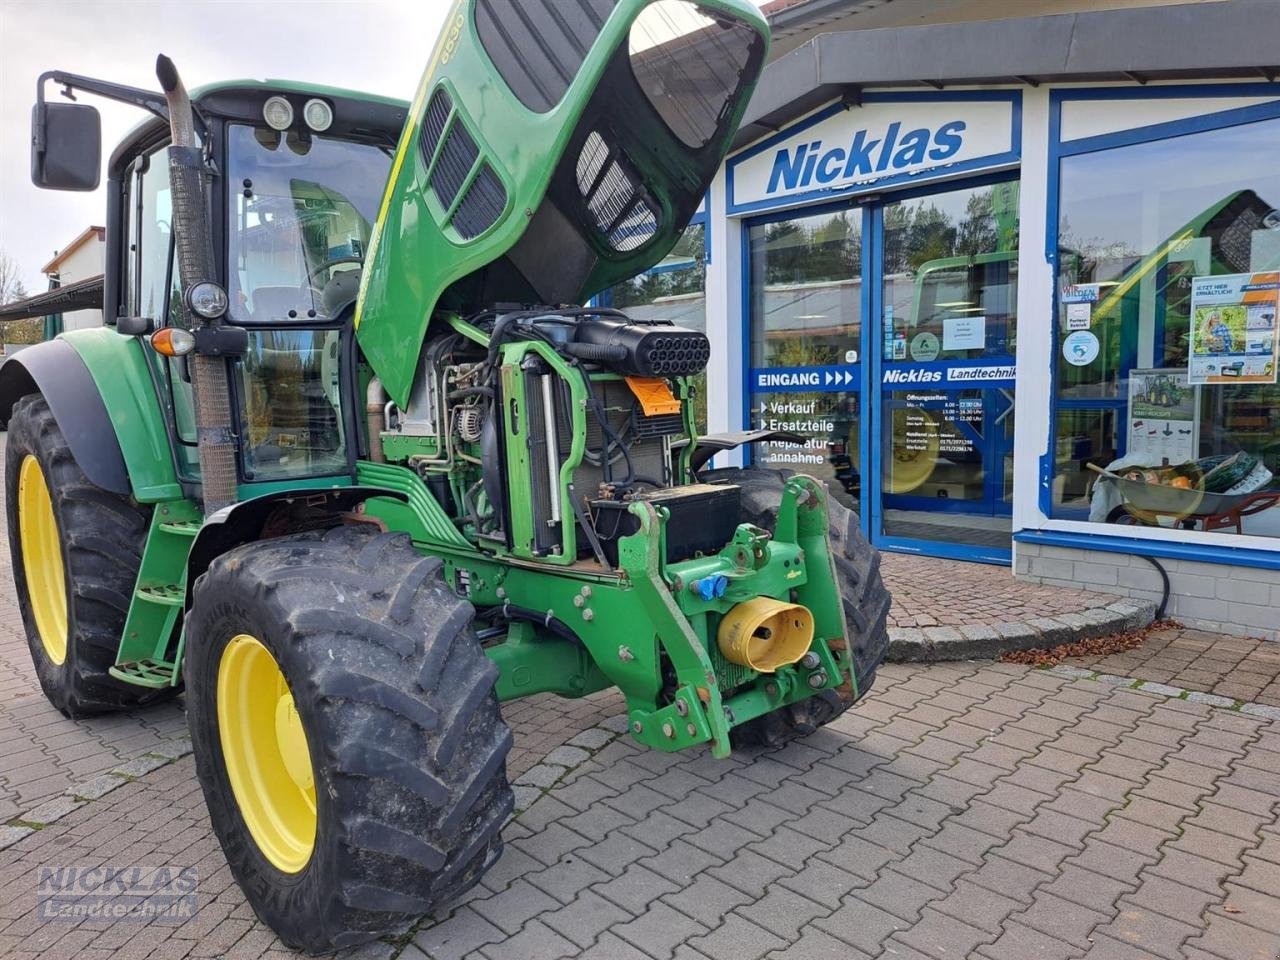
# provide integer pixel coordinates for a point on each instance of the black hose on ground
(1164, 577)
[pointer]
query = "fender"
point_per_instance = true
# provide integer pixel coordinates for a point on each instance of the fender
(273, 515)
(54, 370)
(98, 385)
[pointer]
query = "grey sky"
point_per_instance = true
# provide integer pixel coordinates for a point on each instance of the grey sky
(380, 46)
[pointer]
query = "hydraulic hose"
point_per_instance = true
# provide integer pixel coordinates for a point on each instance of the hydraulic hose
(194, 255)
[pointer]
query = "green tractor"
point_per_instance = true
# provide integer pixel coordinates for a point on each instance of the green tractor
(350, 465)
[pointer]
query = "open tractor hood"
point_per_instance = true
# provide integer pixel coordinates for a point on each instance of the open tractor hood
(555, 147)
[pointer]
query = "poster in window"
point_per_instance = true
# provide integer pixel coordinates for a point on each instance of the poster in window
(1233, 328)
(1163, 416)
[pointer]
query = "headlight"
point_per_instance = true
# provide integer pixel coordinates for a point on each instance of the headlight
(278, 112)
(207, 299)
(318, 114)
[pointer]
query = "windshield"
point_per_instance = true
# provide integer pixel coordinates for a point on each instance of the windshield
(301, 215)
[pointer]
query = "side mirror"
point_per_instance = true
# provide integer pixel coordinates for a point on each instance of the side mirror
(66, 146)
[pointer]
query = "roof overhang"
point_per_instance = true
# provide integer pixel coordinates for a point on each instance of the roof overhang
(1180, 42)
(85, 236)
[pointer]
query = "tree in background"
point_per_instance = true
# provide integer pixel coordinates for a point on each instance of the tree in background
(11, 286)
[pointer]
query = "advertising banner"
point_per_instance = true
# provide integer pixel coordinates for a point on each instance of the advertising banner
(1233, 328)
(1164, 416)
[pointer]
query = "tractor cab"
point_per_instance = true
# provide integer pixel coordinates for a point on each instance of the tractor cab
(295, 175)
(300, 176)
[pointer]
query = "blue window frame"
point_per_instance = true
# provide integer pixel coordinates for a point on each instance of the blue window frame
(1144, 242)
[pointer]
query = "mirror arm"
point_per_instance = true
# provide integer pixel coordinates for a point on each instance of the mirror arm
(146, 99)
(149, 100)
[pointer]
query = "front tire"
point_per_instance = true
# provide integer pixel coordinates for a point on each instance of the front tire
(347, 735)
(76, 550)
(862, 595)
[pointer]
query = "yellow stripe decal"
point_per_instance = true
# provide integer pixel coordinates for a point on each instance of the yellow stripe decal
(448, 40)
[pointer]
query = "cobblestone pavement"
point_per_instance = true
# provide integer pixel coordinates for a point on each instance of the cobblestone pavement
(1243, 668)
(931, 592)
(980, 810)
(42, 753)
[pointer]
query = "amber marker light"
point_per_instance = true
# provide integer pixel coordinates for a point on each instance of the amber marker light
(172, 342)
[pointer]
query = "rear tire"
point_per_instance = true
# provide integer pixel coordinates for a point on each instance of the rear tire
(76, 572)
(405, 742)
(862, 594)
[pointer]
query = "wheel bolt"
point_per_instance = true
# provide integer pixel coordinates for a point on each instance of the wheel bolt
(810, 660)
(668, 731)
(817, 680)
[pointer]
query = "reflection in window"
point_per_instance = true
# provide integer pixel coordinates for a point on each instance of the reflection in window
(1166, 341)
(951, 275)
(302, 215)
(950, 294)
(805, 304)
(290, 395)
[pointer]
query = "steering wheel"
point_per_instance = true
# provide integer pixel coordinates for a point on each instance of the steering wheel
(328, 264)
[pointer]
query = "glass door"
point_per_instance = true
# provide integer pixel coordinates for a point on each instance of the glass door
(805, 308)
(946, 295)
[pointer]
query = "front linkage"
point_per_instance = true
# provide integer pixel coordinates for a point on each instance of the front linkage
(573, 632)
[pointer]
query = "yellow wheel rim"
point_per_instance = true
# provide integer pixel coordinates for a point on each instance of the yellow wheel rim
(42, 559)
(266, 755)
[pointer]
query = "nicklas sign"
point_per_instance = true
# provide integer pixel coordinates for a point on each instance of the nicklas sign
(842, 148)
(810, 163)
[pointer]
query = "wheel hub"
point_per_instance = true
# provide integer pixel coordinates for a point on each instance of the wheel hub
(42, 559)
(264, 748)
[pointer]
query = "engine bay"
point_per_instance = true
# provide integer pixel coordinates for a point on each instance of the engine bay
(534, 428)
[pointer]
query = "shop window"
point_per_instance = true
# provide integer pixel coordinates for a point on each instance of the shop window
(806, 313)
(674, 290)
(1166, 404)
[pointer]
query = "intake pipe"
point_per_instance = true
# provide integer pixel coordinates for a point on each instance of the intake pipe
(216, 440)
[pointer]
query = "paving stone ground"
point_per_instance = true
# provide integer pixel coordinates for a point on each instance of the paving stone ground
(931, 592)
(962, 810)
(982, 810)
(1242, 668)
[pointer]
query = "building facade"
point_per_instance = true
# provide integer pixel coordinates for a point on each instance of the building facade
(81, 259)
(1016, 283)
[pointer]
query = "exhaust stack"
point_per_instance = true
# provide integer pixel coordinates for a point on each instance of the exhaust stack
(196, 264)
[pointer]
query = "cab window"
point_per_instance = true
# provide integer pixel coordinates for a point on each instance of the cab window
(301, 213)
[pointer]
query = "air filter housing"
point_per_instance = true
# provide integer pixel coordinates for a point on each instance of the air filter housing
(652, 348)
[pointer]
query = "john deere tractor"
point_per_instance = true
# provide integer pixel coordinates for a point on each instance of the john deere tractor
(352, 465)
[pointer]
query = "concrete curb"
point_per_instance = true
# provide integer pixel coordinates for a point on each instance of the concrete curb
(986, 641)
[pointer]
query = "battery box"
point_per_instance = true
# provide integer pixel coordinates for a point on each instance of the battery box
(703, 517)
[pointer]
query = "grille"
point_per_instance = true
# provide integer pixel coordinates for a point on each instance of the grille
(437, 115)
(614, 196)
(456, 159)
(481, 205)
(544, 536)
(729, 675)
